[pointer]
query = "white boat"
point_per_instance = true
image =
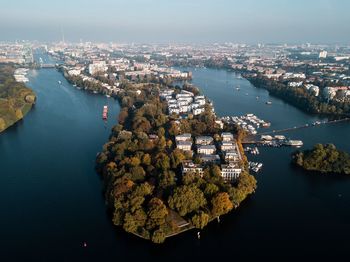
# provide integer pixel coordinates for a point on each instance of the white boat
(294, 143)
(59, 81)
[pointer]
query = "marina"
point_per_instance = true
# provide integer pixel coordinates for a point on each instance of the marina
(255, 166)
(249, 122)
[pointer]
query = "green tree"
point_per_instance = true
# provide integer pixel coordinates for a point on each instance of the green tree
(187, 199)
(157, 212)
(158, 236)
(200, 220)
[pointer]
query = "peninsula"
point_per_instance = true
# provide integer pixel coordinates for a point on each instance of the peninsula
(158, 183)
(15, 98)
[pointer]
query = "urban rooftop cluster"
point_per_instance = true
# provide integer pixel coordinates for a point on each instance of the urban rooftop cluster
(224, 153)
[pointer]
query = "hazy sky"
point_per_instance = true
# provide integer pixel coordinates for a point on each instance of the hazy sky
(326, 21)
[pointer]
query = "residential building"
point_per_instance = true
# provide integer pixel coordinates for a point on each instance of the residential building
(206, 149)
(204, 140)
(215, 159)
(225, 146)
(183, 137)
(188, 166)
(226, 137)
(230, 172)
(184, 145)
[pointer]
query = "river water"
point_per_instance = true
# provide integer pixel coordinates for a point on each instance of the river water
(51, 201)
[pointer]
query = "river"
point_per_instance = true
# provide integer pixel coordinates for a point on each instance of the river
(51, 200)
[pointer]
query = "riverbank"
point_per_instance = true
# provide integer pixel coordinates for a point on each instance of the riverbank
(16, 99)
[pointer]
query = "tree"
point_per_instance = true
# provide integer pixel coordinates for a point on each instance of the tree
(158, 236)
(130, 224)
(134, 161)
(187, 199)
(200, 220)
(161, 132)
(211, 189)
(157, 212)
(146, 159)
(176, 158)
(189, 178)
(138, 174)
(123, 115)
(166, 179)
(162, 162)
(221, 204)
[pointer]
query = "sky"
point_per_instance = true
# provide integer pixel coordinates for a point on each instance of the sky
(177, 21)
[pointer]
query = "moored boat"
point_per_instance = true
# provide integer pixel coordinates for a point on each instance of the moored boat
(105, 112)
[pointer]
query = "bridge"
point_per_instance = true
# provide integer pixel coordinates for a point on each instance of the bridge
(47, 65)
(317, 123)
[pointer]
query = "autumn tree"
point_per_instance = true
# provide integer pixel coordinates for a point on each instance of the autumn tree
(221, 204)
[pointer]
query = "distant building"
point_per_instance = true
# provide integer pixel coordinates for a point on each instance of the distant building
(96, 67)
(323, 54)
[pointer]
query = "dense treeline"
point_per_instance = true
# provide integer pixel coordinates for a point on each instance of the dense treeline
(15, 98)
(140, 167)
(299, 97)
(324, 159)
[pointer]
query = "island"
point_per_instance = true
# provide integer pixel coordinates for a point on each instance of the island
(166, 172)
(323, 159)
(16, 99)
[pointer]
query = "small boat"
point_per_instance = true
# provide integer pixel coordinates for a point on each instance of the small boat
(269, 103)
(59, 82)
(108, 96)
(105, 113)
(75, 85)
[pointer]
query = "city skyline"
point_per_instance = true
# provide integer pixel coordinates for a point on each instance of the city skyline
(181, 21)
